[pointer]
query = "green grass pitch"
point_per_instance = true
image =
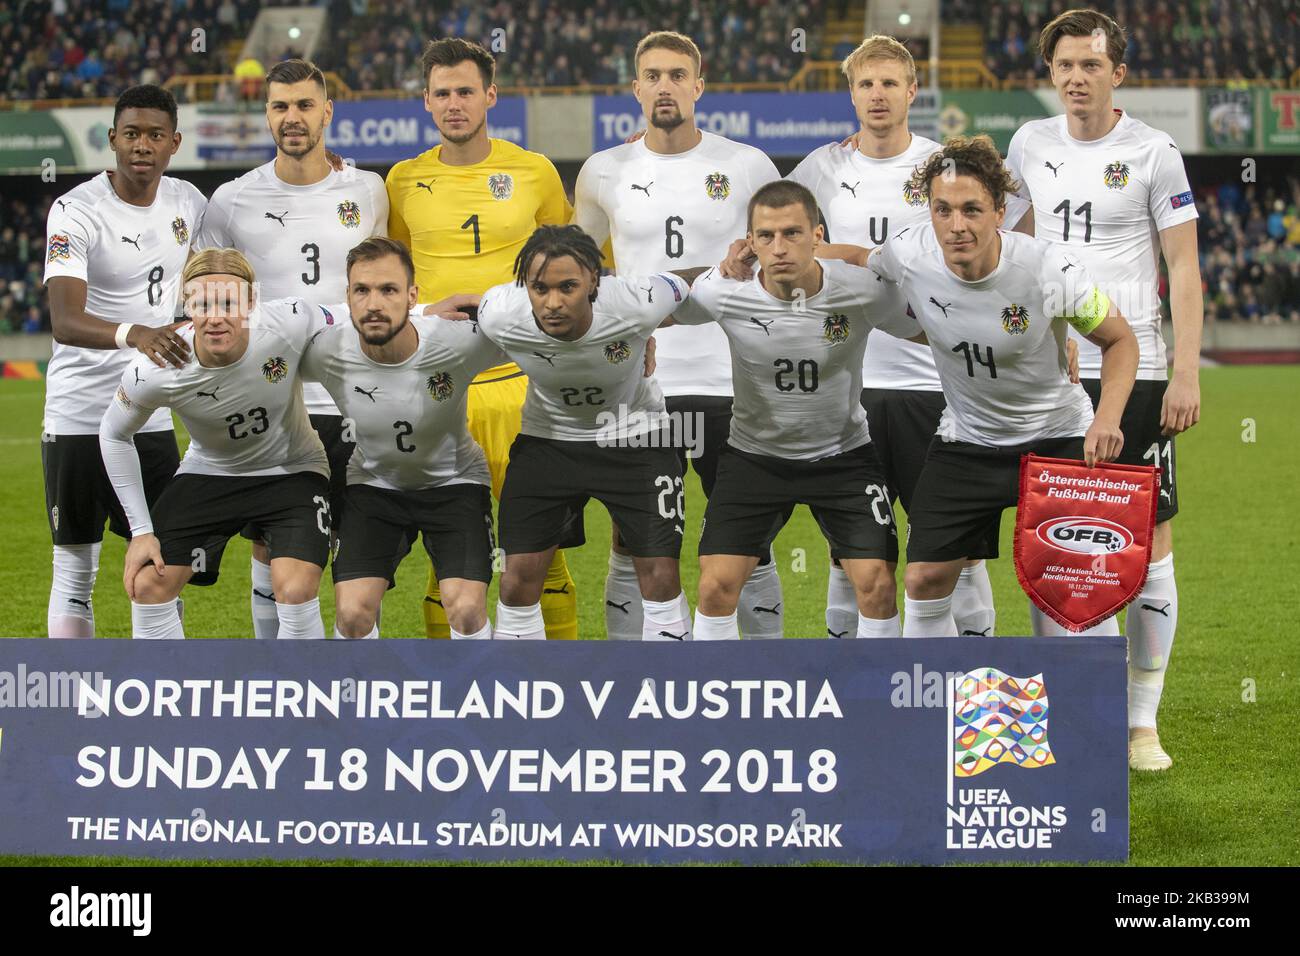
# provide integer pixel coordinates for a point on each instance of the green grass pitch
(1230, 700)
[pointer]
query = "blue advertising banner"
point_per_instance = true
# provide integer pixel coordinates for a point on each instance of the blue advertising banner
(370, 132)
(780, 124)
(920, 751)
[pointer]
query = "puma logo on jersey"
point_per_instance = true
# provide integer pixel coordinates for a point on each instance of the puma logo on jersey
(675, 637)
(983, 633)
(138, 379)
(945, 306)
(427, 187)
(759, 609)
(135, 242)
(212, 394)
(549, 359)
(649, 293)
(1164, 493)
(368, 392)
(645, 189)
(563, 590)
(1159, 610)
(279, 218)
(853, 189)
(763, 325)
(836, 634)
(1067, 267)
(622, 607)
(1053, 168)
(63, 205)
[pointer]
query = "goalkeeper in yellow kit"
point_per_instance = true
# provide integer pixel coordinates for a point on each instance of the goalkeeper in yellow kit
(465, 209)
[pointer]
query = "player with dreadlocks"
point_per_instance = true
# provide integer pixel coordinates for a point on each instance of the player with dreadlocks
(591, 426)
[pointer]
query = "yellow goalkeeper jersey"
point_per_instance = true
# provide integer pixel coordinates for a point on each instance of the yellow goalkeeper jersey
(465, 225)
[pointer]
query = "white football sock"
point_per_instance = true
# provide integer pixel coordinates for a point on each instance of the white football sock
(972, 602)
(928, 618)
(873, 627)
(300, 622)
(1042, 625)
(70, 612)
(372, 636)
(156, 622)
(841, 604)
(665, 620)
(762, 591)
(266, 622)
(1152, 620)
(623, 617)
(716, 628)
(484, 633)
(519, 623)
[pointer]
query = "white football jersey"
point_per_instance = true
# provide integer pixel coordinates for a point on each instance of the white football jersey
(408, 420)
(999, 342)
(130, 258)
(576, 388)
(862, 200)
(1107, 201)
(797, 365)
(674, 212)
(244, 419)
(298, 237)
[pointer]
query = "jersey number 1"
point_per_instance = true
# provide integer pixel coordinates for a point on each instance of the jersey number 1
(473, 221)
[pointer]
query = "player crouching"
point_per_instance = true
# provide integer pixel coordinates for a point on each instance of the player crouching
(401, 383)
(797, 332)
(253, 458)
(581, 339)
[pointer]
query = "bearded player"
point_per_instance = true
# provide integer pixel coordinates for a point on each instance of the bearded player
(294, 219)
(1113, 191)
(675, 199)
(465, 209)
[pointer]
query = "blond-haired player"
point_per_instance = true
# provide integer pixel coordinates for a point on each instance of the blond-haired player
(465, 208)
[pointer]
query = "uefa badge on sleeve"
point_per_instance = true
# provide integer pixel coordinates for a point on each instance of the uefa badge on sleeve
(1083, 536)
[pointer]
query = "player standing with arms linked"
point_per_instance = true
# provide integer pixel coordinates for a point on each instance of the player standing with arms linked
(1114, 192)
(294, 219)
(114, 253)
(465, 209)
(676, 199)
(587, 426)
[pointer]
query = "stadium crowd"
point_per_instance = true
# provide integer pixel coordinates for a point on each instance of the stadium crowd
(96, 48)
(1219, 40)
(1249, 238)
(570, 42)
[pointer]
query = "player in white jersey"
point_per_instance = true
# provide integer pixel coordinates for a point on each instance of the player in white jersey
(799, 433)
(295, 218)
(864, 194)
(402, 385)
(253, 457)
(994, 306)
(590, 429)
(673, 200)
(114, 252)
(1114, 192)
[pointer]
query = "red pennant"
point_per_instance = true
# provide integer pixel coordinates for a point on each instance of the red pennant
(1083, 536)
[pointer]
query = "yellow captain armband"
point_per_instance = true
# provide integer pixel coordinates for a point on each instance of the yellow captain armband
(1091, 312)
